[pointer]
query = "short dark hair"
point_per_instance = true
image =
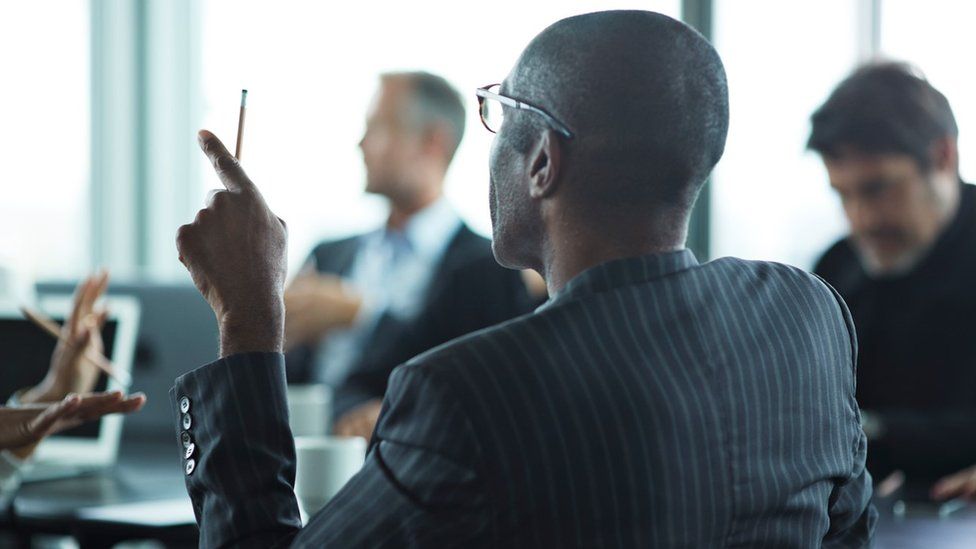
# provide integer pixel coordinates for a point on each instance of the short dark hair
(436, 102)
(646, 96)
(883, 108)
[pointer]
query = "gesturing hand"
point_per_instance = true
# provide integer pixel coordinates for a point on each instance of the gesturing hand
(25, 426)
(235, 250)
(81, 334)
(316, 304)
(360, 421)
(958, 485)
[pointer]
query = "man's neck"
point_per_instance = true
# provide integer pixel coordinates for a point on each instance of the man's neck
(403, 210)
(570, 255)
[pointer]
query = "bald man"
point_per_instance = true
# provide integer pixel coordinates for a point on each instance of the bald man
(652, 402)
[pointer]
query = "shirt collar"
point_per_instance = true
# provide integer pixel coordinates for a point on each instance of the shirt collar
(429, 230)
(623, 272)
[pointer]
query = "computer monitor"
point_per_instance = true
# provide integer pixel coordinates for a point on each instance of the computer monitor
(25, 355)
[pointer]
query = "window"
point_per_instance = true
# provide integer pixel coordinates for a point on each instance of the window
(771, 199)
(44, 220)
(311, 71)
(935, 37)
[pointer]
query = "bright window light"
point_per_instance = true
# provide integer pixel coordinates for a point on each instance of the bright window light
(311, 71)
(771, 199)
(44, 137)
(935, 37)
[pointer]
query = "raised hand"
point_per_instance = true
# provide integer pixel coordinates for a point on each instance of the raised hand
(80, 334)
(23, 427)
(235, 251)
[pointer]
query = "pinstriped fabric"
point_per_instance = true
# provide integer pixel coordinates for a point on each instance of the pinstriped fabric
(250, 397)
(654, 402)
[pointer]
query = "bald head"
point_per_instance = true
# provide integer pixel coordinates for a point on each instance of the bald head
(645, 95)
(646, 101)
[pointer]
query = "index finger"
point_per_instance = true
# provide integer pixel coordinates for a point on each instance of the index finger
(228, 169)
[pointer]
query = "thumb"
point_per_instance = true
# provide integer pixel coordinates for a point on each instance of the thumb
(228, 169)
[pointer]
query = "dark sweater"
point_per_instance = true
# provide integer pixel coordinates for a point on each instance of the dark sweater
(917, 350)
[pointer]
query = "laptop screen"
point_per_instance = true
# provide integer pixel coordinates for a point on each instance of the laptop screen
(25, 355)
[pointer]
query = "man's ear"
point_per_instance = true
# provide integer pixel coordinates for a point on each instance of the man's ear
(545, 165)
(439, 139)
(945, 154)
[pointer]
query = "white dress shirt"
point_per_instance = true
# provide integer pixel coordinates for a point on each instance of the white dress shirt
(392, 271)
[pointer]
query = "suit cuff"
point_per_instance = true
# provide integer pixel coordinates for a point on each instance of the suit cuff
(237, 450)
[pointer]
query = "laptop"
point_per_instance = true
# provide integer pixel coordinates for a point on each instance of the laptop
(25, 355)
(177, 333)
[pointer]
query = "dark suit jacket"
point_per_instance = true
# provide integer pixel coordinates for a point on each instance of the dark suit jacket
(468, 291)
(652, 403)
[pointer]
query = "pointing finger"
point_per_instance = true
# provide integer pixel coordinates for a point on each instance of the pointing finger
(228, 169)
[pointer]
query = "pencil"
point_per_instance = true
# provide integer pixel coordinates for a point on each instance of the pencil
(240, 125)
(52, 328)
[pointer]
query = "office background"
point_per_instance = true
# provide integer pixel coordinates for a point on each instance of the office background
(101, 100)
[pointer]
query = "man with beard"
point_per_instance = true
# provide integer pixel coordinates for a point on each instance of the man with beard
(907, 270)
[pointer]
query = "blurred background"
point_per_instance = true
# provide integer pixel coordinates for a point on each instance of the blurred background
(101, 100)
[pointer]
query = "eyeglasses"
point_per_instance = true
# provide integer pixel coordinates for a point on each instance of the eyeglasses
(491, 103)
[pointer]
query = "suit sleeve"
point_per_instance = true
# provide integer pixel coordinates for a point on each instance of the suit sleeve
(420, 486)
(241, 473)
(853, 517)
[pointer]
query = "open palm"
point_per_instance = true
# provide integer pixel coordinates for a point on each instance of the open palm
(27, 425)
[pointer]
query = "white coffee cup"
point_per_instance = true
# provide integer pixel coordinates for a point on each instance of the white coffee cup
(325, 464)
(309, 409)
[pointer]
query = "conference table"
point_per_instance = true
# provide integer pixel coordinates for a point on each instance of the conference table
(144, 498)
(924, 528)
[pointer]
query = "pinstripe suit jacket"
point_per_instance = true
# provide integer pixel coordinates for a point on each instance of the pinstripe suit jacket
(654, 402)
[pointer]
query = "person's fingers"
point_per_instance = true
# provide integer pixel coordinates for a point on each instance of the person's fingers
(968, 490)
(228, 169)
(74, 317)
(80, 341)
(42, 425)
(101, 317)
(92, 291)
(365, 428)
(355, 424)
(100, 404)
(93, 287)
(212, 194)
(962, 483)
(123, 406)
(341, 427)
(101, 287)
(946, 488)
